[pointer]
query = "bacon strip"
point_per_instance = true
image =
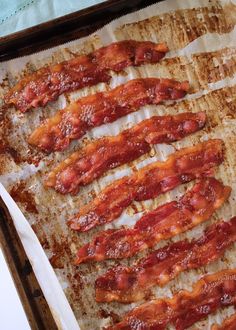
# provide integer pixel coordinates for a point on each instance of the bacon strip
(101, 108)
(49, 82)
(166, 221)
(228, 324)
(128, 284)
(185, 308)
(85, 165)
(149, 182)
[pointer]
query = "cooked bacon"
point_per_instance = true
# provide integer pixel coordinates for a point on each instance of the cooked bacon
(166, 221)
(210, 293)
(85, 165)
(127, 284)
(149, 182)
(49, 82)
(101, 108)
(228, 324)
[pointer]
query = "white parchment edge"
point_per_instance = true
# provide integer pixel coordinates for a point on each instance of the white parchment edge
(43, 270)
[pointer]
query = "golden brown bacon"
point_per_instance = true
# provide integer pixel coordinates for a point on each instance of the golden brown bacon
(127, 284)
(166, 221)
(228, 324)
(185, 308)
(85, 165)
(149, 182)
(49, 82)
(101, 108)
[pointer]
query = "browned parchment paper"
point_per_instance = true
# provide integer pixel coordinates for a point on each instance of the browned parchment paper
(201, 35)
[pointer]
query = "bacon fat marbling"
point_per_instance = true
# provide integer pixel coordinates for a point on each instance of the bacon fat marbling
(102, 108)
(89, 163)
(128, 284)
(49, 82)
(149, 182)
(210, 293)
(166, 221)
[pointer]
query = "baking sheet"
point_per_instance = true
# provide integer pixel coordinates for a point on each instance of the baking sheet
(201, 36)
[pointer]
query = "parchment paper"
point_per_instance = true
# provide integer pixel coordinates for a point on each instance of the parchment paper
(201, 35)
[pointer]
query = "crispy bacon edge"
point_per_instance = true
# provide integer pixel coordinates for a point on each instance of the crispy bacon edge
(49, 82)
(210, 293)
(128, 284)
(228, 324)
(149, 182)
(91, 111)
(166, 221)
(92, 161)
